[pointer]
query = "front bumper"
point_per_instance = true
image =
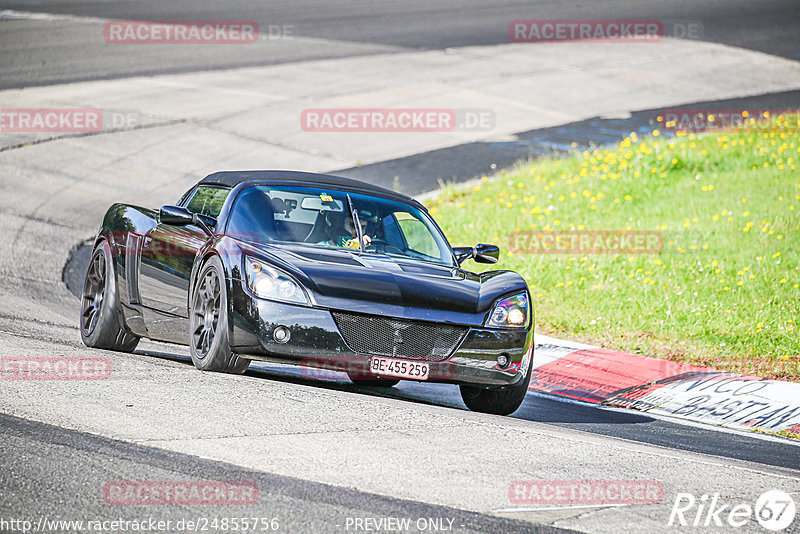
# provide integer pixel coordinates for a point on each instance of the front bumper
(316, 341)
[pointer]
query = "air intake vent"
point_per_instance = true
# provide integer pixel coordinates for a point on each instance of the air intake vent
(416, 340)
(133, 263)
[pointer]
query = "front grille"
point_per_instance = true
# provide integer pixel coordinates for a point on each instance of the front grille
(416, 340)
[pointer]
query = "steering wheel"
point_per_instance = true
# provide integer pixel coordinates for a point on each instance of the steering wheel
(385, 245)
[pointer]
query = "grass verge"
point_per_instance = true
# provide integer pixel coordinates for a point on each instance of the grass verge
(724, 289)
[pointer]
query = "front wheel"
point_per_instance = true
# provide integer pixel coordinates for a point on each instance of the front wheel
(498, 401)
(209, 343)
(100, 319)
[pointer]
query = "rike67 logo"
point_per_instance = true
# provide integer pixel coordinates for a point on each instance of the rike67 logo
(775, 510)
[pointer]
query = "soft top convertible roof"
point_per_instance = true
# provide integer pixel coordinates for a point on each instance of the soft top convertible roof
(234, 178)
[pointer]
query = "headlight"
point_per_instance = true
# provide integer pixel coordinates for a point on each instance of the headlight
(510, 312)
(268, 282)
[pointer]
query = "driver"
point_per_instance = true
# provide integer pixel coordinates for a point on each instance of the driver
(347, 237)
(351, 239)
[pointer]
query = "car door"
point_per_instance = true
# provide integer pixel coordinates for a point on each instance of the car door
(168, 254)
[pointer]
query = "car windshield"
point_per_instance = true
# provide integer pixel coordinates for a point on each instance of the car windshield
(322, 217)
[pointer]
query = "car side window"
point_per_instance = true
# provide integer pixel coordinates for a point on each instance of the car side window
(208, 200)
(417, 235)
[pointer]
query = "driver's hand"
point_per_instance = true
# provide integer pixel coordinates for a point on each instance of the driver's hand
(367, 241)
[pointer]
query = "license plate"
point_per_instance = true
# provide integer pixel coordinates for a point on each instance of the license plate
(398, 368)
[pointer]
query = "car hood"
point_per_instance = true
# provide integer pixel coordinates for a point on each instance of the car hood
(397, 287)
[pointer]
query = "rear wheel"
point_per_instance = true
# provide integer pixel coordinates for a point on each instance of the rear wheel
(100, 319)
(498, 401)
(209, 343)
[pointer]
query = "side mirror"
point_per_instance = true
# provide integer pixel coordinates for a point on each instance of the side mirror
(480, 253)
(175, 215)
(487, 253)
(463, 253)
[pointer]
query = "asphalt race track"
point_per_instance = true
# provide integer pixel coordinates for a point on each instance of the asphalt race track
(326, 455)
(33, 54)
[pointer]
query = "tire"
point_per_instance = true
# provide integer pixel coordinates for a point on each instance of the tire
(361, 379)
(497, 401)
(209, 342)
(100, 323)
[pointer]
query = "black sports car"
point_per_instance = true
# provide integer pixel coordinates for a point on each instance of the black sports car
(313, 270)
